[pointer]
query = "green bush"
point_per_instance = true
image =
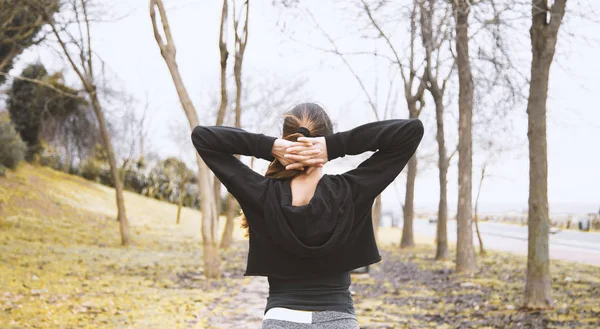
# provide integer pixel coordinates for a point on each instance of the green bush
(50, 157)
(12, 147)
(90, 169)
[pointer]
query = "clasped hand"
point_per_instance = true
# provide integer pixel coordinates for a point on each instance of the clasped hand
(305, 154)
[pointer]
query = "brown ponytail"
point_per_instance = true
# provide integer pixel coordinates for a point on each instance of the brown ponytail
(308, 115)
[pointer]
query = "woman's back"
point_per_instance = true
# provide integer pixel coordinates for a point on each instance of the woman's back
(308, 230)
(328, 292)
(304, 186)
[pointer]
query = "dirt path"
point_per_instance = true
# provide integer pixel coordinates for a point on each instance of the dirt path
(243, 310)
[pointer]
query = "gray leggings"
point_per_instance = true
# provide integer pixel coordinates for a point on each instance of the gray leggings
(320, 320)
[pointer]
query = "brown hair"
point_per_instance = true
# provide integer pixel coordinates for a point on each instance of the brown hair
(307, 115)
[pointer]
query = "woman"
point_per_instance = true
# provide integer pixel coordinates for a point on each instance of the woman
(308, 230)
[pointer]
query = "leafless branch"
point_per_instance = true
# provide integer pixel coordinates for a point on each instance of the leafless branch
(41, 83)
(345, 61)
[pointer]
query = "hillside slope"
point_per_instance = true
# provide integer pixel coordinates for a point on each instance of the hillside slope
(63, 267)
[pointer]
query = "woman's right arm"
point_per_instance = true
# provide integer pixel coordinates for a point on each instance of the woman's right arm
(395, 142)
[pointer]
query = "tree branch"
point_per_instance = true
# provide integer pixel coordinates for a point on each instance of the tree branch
(89, 39)
(167, 48)
(41, 83)
(557, 13)
(383, 35)
(337, 52)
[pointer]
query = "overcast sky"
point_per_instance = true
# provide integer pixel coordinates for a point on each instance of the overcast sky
(131, 55)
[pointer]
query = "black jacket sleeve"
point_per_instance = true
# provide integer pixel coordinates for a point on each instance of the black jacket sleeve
(395, 142)
(217, 145)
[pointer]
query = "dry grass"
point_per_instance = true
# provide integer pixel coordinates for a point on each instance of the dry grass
(411, 290)
(63, 267)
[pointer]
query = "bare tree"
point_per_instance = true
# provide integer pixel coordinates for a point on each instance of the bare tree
(376, 212)
(184, 175)
(545, 24)
(130, 129)
(465, 254)
(476, 216)
(209, 211)
(415, 103)
(21, 27)
(224, 54)
(241, 40)
(82, 62)
(433, 40)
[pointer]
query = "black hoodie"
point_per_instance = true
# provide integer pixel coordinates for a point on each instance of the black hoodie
(331, 234)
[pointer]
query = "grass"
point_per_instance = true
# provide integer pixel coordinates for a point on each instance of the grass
(62, 266)
(411, 290)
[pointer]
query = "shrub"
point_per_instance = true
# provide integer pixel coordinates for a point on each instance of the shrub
(50, 157)
(12, 147)
(90, 169)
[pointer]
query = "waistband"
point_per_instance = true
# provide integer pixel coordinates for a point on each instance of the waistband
(286, 314)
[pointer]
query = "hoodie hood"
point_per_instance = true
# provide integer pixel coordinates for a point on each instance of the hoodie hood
(313, 230)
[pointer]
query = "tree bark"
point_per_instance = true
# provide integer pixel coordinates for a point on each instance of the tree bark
(227, 238)
(437, 91)
(544, 35)
(476, 218)
(408, 238)
(85, 73)
(376, 214)
(414, 101)
(442, 252)
(224, 97)
(209, 213)
(114, 170)
(465, 254)
(240, 47)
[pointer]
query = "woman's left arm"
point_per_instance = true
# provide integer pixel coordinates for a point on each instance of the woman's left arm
(217, 146)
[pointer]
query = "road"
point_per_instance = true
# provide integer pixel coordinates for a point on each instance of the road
(569, 245)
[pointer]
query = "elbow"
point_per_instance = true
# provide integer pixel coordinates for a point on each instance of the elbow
(419, 128)
(416, 129)
(198, 134)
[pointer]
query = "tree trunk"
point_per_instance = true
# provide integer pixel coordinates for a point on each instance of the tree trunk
(110, 154)
(224, 99)
(465, 254)
(537, 288)
(476, 217)
(223, 62)
(427, 12)
(240, 42)
(86, 76)
(207, 203)
(209, 212)
(231, 203)
(180, 204)
(442, 252)
(376, 214)
(408, 238)
(217, 196)
(544, 35)
(481, 248)
(227, 238)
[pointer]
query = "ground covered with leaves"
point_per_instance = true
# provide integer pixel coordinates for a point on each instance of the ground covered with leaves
(411, 290)
(62, 266)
